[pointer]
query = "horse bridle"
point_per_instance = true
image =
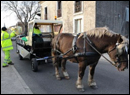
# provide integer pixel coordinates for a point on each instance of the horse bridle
(117, 55)
(114, 48)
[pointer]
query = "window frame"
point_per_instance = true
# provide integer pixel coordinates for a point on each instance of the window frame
(82, 23)
(57, 8)
(45, 14)
(77, 13)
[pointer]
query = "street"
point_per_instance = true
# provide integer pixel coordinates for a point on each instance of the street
(109, 80)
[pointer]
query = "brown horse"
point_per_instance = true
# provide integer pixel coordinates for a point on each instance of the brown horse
(103, 39)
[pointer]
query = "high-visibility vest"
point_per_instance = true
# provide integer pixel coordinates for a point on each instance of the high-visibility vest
(36, 31)
(6, 42)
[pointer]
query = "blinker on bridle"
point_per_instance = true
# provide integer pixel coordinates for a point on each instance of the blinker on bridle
(114, 48)
(117, 55)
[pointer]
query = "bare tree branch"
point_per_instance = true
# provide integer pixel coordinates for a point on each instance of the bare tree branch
(24, 10)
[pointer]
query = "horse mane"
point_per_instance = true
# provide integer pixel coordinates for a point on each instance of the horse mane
(100, 31)
(125, 40)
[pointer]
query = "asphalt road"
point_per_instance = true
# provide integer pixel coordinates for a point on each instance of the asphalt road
(109, 79)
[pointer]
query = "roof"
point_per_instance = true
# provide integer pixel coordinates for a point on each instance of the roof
(45, 22)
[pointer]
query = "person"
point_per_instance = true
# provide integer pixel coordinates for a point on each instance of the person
(36, 30)
(37, 36)
(6, 44)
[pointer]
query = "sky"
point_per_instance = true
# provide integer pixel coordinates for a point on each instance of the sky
(7, 19)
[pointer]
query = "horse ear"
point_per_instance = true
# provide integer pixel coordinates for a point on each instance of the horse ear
(119, 39)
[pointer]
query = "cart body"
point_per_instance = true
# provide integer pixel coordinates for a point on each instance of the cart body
(42, 47)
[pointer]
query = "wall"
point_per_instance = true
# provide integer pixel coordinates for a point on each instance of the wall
(112, 14)
(51, 9)
(68, 15)
(89, 15)
(94, 14)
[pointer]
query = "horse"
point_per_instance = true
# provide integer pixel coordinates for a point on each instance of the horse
(102, 39)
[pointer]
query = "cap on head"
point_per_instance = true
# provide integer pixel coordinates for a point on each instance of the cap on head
(35, 23)
(4, 28)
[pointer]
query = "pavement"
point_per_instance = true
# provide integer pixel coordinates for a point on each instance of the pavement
(11, 81)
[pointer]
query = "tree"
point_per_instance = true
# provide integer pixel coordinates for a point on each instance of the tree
(25, 10)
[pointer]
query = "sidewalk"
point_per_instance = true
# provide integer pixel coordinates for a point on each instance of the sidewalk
(11, 81)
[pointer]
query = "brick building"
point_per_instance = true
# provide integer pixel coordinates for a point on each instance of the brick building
(80, 16)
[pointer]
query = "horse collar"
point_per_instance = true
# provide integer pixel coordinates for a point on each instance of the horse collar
(74, 46)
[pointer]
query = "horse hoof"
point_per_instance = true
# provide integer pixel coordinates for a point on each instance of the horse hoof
(94, 87)
(66, 75)
(58, 78)
(67, 78)
(81, 89)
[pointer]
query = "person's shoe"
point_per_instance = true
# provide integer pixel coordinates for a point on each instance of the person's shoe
(4, 65)
(11, 63)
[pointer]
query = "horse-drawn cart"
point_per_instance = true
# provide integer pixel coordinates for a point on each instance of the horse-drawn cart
(33, 47)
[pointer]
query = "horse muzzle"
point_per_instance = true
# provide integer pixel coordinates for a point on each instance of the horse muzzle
(122, 66)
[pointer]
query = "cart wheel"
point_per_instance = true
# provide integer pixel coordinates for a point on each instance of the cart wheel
(34, 65)
(20, 57)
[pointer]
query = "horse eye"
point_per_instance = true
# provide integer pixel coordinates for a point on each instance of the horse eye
(116, 55)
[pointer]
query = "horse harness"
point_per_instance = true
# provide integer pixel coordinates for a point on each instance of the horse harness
(75, 48)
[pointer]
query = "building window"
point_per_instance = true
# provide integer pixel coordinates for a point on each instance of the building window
(78, 6)
(59, 9)
(78, 26)
(45, 13)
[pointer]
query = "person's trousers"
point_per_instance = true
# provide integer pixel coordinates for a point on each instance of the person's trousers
(6, 58)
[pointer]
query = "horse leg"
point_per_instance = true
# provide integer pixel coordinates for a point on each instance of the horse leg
(91, 81)
(56, 65)
(79, 85)
(57, 74)
(63, 62)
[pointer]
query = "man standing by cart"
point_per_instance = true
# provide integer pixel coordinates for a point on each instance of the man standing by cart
(6, 44)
